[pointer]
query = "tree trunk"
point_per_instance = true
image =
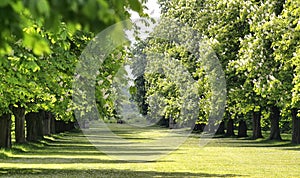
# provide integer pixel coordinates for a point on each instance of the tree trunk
(242, 130)
(257, 125)
(71, 126)
(172, 123)
(19, 113)
(31, 120)
(230, 128)
(296, 127)
(52, 123)
(275, 130)
(47, 124)
(60, 126)
(221, 129)
(5, 131)
(199, 127)
(40, 124)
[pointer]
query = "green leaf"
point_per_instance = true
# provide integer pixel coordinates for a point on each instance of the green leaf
(28, 40)
(41, 47)
(53, 22)
(33, 66)
(90, 9)
(38, 45)
(43, 7)
(136, 6)
(4, 3)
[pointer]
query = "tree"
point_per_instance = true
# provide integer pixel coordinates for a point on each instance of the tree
(257, 62)
(242, 129)
(5, 132)
(257, 57)
(39, 49)
(286, 51)
(19, 113)
(204, 70)
(217, 22)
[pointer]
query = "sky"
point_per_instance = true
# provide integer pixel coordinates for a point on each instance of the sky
(153, 10)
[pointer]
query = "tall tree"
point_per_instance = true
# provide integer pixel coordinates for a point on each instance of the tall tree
(39, 48)
(286, 50)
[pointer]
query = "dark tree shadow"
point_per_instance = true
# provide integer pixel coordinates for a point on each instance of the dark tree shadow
(249, 142)
(102, 173)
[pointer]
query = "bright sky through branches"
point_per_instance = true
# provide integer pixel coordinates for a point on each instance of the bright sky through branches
(153, 10)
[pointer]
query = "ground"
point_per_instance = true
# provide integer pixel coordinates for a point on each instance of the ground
(72, 155)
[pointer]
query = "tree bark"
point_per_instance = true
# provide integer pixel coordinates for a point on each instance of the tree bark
(230, 128)
(5, 131)
(31, 120)
(296, 127)
(275, 130)
(19, 113)
(242, 130)
(60, 126)
(257, 125)
(40, 124)
(52, 123)
(199, 127)
(221, 129)
(70, 126)
(47, 124)
(172, 123)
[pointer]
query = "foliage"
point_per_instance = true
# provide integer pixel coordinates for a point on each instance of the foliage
(257, 43)
(181, 74)
(91, 15)
(40, 45)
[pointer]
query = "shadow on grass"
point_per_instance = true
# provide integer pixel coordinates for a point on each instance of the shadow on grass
(75, 149)
(235, 141)
(249, 142)
(64, 160)
(75, 153)
(102, 173)
(292, 149)
(3, 156)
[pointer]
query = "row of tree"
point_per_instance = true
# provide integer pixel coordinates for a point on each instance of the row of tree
(257, 44)
(40, 46)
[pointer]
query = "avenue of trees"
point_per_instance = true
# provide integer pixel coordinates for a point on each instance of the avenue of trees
(256, 42)
(40, 45)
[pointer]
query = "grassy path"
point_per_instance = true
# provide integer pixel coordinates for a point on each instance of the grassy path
(72, 155)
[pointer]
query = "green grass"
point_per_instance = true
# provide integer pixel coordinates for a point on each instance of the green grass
(72, 155)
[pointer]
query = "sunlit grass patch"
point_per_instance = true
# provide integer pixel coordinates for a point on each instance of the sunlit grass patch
(138, 134)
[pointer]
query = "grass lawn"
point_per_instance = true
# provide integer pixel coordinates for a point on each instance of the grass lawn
(72, 155)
